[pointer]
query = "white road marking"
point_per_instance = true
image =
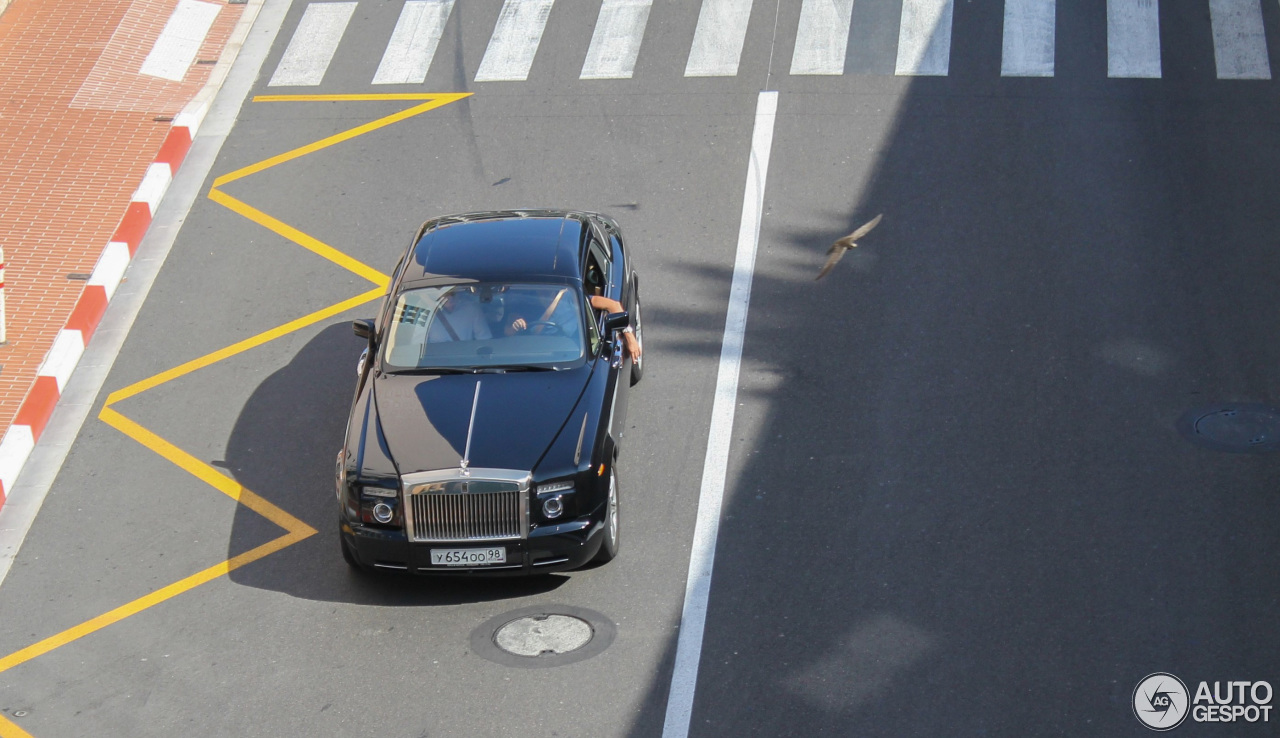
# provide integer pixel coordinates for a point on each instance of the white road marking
(616, 41)
(1239, 41)
(413, 43)
(313, 44)
(718, 39)
(1133, 38)
(822, 37)
(1029, 27)
(153, 186)
(924, 38)
(110, 267)
(176, 48)
(693, 618)
(63, 356)
(514, 41)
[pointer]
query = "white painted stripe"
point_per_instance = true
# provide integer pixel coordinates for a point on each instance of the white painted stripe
(1133, 38)
(616, 41)
(924, 38)
(515, 41)
(111, 267)
(40, 466)
(176, 48)
(1028, 38)
(1239, 41)
(63, 357)
(413, 42)
(693, 618)
(192, 116)
(718, 39)
(822, 37)
(313, 45)
(14, 450)
(154, 184)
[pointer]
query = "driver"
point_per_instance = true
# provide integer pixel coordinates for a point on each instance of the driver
(595, 289)
(557, 314)
(594, 284)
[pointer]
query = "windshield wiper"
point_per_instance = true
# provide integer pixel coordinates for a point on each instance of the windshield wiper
(436, 370)
(517, 368)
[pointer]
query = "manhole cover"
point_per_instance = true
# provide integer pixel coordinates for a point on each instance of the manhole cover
(549, 634)
(543, 636)
(1245, 428)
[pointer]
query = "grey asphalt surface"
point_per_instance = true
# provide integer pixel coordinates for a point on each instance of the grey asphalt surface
(957, 500)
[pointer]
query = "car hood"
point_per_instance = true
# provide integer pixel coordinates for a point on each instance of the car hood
(518, 415)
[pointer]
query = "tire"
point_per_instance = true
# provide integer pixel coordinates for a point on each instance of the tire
(609, 547)
(637, 367)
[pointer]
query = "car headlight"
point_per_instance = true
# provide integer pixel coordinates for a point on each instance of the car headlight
(383, 513)
(554, 487)
(552, 507)
(378, 492)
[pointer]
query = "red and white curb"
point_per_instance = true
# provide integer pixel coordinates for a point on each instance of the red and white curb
(70, 343)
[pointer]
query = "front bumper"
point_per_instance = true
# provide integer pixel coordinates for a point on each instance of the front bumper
(551, 548)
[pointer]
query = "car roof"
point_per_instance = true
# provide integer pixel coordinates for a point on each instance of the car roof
(498, 245)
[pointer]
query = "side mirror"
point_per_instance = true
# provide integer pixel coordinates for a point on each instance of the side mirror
(616, 321)
(363, 328)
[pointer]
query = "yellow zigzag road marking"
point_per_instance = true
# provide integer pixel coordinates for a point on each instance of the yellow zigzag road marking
(245, 345)
(296, 530)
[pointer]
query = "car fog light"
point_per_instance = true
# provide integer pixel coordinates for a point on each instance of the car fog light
(382, 512)
(552, 507)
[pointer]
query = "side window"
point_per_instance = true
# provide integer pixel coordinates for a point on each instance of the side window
(598, 258)
(391, 288)
(593, 330)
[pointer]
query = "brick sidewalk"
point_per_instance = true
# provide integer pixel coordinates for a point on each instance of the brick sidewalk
(79, 127)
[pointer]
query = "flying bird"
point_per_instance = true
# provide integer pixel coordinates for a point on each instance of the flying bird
(836, 252)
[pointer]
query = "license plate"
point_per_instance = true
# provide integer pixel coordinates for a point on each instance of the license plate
(468, 556)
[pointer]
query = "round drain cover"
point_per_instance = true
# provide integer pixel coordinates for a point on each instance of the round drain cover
(543, 636)
(549, 634)
(1246, 428)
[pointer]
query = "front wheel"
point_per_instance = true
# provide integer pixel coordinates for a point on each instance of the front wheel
(609, 547)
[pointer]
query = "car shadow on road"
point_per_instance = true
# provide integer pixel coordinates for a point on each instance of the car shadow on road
(282, 448)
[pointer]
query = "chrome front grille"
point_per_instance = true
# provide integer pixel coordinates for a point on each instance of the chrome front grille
(467, 509)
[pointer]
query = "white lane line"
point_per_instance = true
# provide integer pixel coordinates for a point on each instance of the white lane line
(1029, 39)
(1133, 38)
(924, 38)
(514, 41)
(822, 37)
(413, 42)
(180, 41)
(718, 39)
(616, 41)
(698, 584)
(313, 44)
(1239, 41)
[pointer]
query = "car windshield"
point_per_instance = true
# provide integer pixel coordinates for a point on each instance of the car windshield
(488, 325)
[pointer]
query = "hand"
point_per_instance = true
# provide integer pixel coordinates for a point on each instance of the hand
(633, 346)
(518, 325)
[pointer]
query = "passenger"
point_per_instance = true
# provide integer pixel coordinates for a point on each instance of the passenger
(459, 318)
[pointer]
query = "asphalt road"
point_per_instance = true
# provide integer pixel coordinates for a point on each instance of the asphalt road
(958, 502)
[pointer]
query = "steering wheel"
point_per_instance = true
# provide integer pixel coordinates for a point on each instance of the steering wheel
(550, 328)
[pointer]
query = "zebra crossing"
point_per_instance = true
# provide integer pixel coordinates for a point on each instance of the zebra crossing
(821, 40)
